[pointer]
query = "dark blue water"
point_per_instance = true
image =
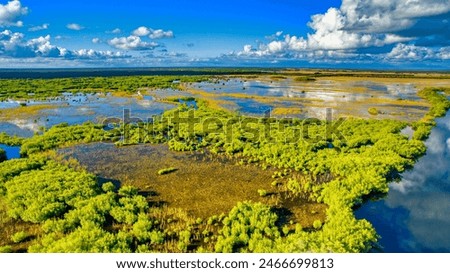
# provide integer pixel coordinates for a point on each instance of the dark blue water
(415, 215)
(189, 103)
(250, 107)
(11, 151)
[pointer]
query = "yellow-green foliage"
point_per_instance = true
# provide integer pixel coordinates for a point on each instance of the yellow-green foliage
(19, 237)
(45, 88)
(439, 102)
(248, 227)
(40, 194)
(6, 249)
(340, 168)
(10, 140)
(373, 111)
(63, 134)
(167, 170)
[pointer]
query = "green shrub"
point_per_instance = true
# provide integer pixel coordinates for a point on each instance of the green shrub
(128, 191)
(19, 237)
(167, 170)
(373, 111)
(262, 193)
(108, 187)
(317, 224)
(40, 194)
(6, 249)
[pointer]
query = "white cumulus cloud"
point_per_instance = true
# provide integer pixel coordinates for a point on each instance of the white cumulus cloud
(444, 53)
(115, 31)
(131, 43)
(94, 54)
(14, 44)
(152, 33)
(74, 26)
(42, 47)
(11, 12)
(359, 24)
(141, 31)
(38, 28)
(411, 52)
(388, 15)
(289, 44)
(345, 28)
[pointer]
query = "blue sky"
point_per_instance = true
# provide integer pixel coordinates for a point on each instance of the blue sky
(391, 34)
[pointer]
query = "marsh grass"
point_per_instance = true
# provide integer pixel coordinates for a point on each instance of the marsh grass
(12, 231)
(203, 185)
(25, 111)
(289, 111)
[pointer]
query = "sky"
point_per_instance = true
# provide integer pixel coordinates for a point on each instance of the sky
(362, 34)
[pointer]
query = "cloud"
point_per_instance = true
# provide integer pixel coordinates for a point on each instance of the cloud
(141, 31)
(94, 54)
(74, 26)
(290, 45)
(13, 44)
(96, 40)
(403, 52)
(410, 52)
(444, 54)
(131, 43)
(331, 34)
(387, 16)
(274, 36)
(38, 28)
(159, 34)
(11, 12)
(152, 33)
(42, 47)
(360, 26)
(115, 31)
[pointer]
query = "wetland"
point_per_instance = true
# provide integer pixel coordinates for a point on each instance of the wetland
(284, 161)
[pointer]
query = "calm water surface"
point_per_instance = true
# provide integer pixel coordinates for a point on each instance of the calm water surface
(415, 215)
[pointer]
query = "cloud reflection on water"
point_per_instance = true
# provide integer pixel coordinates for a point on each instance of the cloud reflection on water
(415, 216)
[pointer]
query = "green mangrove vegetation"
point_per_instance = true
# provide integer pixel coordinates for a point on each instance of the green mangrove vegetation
(167, 170)
(10, 140)
(47, 88)
(63, 134)
(52, 204)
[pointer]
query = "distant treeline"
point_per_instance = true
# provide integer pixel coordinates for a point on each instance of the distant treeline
(205, 71)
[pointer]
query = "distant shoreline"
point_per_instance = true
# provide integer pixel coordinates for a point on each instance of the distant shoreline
(48, 73)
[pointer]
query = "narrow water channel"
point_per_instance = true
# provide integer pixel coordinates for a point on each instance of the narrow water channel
(11, 151)
(415, 215)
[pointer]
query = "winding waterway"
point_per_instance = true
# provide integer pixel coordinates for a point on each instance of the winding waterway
(415, 215)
